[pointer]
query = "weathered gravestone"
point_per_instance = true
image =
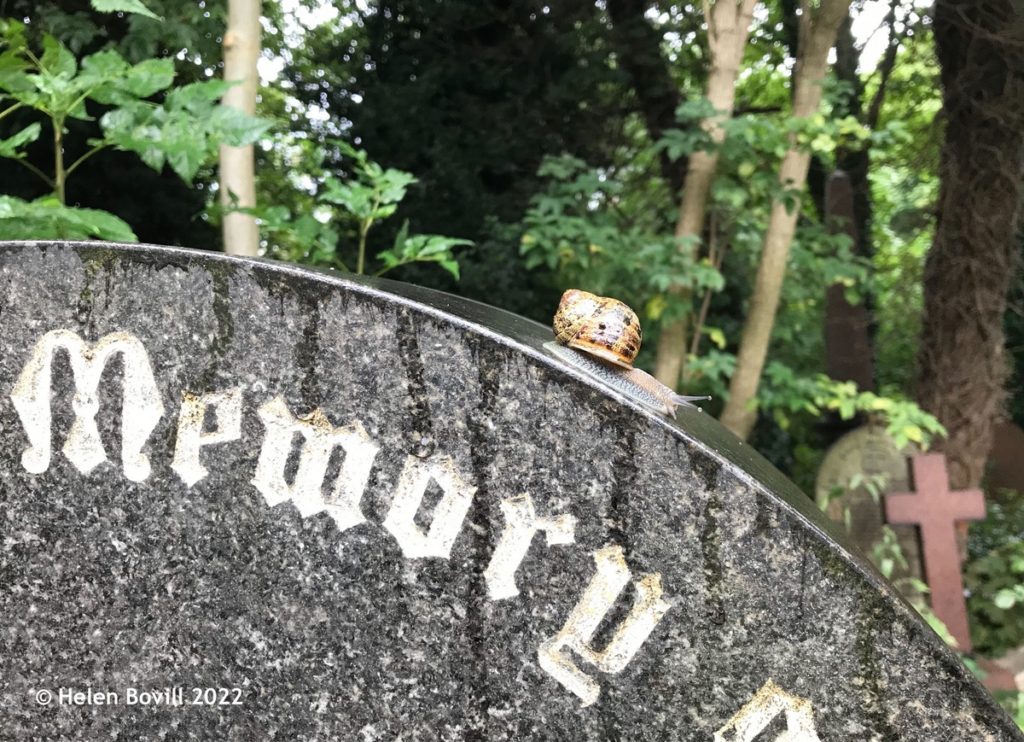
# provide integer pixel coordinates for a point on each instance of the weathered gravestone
(245, 501)
(854, 476)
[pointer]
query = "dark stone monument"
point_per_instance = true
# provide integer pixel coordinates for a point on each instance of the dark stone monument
(1006, 460)
(243, 500)
(848, 350)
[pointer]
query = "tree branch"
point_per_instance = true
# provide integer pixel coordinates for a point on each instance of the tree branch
(885, 68)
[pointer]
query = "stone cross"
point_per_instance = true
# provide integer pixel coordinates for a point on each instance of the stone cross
(936, 510)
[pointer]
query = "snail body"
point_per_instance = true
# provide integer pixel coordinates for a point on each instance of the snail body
(602, 337)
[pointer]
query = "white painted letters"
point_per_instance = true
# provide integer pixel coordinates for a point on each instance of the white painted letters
(762, 708)
(191, 436)
(521, 523)
(436, 541)
(319, 440)
(141, 408)
(599, 597)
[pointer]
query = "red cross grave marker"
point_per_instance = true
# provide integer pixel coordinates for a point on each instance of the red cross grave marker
(936, 510)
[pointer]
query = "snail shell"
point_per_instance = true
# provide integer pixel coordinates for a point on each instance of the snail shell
(598, 325)
(603, 338)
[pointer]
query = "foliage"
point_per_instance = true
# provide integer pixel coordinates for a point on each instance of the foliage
(371, 194)
(994, 576)
(577, 228)
(996, 602)
(904, 189)
(183, 131)
(469, 95)
(48, 217)
(589, 228)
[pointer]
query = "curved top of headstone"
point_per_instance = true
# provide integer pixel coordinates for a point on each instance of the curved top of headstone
(247, 500)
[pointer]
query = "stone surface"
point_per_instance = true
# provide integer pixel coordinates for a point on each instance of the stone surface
(1006, 460)
(848, 347)
(869, 453)
(254, 523)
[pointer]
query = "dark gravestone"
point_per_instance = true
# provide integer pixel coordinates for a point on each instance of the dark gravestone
(1006, 459)
(848, 351)
(243, 500)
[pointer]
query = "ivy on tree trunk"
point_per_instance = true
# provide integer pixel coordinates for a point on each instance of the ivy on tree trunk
(962, 366)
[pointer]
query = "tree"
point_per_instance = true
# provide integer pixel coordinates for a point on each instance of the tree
(468, 96)
(637, 47)
(100, 94)
(160, 206)
(962, 365)
(237, 164)
(818, 27)
(728, 24)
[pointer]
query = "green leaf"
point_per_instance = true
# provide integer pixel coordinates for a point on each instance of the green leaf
(914, 433)
(198, 97)
(12, 74)
(235, 127)
(57, 60)
(149, 77)
(47, 218)
(124, 6)
(185, 149)
(401, 237)
(105, 65)
(9, 146)
(451, 266)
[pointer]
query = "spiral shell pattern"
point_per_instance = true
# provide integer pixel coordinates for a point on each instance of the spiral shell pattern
(604, 327)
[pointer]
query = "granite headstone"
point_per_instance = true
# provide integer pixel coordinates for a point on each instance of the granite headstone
(243, 500)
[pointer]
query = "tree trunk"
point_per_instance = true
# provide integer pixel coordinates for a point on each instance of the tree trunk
(962, 366)
(237, 164)
(728, 25)
(818, 27)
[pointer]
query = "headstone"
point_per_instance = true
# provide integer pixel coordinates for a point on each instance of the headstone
(848, 350)
(935, 510)
(852, 478)
(244, 500)
(1006, 460)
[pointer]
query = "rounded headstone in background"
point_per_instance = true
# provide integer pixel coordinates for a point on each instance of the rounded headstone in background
(868, 458)
(242, 500)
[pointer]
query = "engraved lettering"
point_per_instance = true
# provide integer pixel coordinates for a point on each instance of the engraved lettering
(648, 609)
(191, 436)
(762, 708)
(436, 541)
(521, 523)
(141, 408)
(320, 438)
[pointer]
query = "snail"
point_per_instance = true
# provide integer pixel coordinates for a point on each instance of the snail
(602, 337)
